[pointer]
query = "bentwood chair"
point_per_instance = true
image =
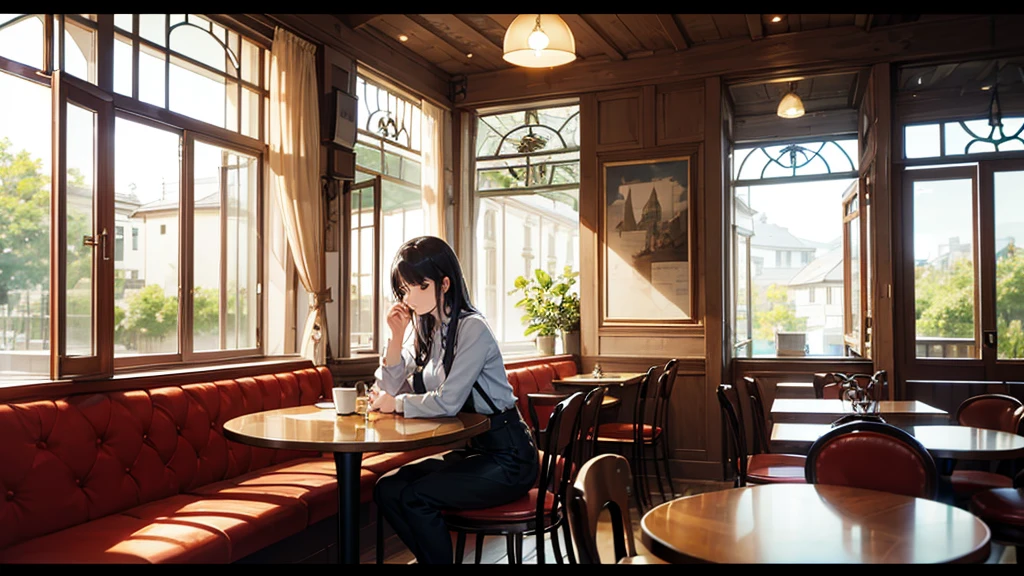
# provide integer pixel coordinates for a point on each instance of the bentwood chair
(995, 412)
(1002, 509)
(874, 456)
(603, 484)
(754, 468)
(634, 434)
(539, 512)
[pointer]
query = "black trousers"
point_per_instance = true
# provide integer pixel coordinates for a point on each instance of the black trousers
(499, 466)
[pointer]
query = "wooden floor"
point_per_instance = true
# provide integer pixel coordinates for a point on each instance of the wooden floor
(494, 551)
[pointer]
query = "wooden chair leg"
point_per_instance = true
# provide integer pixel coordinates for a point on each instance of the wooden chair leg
(510, 547)
(519, 547)
(460, 546)
(479, 547)
(555, 546)
(567, 532)
(637, 489)
(657, 470)
(668, 471)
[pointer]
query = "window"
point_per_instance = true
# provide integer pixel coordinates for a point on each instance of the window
(207, 80)
(386, 205)
(790, 196)
(527, 181)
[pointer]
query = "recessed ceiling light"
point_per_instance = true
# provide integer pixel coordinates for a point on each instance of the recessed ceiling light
(776, 18)
(469, 55)
(986, 87)
(403, 37)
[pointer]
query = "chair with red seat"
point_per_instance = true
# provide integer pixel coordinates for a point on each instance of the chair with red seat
(542, 510)
(990, 411)
(754, 468)
(1002, 510)
(874, 456)
(636, 434)
(826, 385)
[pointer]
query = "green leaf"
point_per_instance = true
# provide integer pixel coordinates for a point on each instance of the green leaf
(543, 277)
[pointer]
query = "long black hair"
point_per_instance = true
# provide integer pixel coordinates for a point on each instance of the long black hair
(431, 257)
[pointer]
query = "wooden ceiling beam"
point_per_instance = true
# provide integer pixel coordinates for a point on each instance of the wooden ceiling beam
(479, 45)
(860, 21)
(356, 21)
(755, 25)
(675, 33)
(798, 53)
(427, 35)
(576, 21)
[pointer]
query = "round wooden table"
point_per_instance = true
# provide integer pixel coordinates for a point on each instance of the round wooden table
(952, 442)
(812, 523)
(320, 429)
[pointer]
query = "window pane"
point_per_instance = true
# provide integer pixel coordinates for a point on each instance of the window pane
(151, 77)
(944, 269)
(250, 62)
(202, 47)
(362, 263)
(123, 70)
(796, 247)
(224, 249)
(853, 229)
(25, 135)
(21, 38)
(146, 201)
(402, 218)
(153, 27)
(201, 94)
(250, 113)
(123, 21)
(921, 141)
(1009, 231)
(81, 193)
(80, 50)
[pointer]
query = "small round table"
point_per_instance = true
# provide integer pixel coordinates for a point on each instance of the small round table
(323, 430)
(812, 523)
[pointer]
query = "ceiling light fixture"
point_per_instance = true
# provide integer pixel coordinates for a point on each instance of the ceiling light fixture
(791, 106)
(776, 19)
(539, 41)
(403, 37)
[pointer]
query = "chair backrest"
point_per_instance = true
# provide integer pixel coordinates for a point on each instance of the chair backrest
(663, 394)
(556, 463)
(826, 385)
(762, 433)
(640, 406)
(875, 456)
(602, 483)
(728, 399)
(586, 447)
(992, 411)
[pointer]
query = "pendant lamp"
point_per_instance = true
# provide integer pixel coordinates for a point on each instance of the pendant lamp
(791, 106)
(539, 41)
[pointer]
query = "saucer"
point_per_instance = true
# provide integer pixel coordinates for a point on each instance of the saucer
(324, 404)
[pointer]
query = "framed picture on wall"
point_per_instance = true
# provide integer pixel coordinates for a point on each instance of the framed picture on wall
(645, 265)
(343, 131)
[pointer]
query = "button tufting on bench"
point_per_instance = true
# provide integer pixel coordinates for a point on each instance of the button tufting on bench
(100, 441)
(10, 494)
(41, 445)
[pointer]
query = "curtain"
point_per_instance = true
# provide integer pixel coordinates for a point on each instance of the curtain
(295, 176)
(432, 129)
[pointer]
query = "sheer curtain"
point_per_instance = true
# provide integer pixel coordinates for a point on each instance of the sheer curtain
(432, 129)
(295, 176)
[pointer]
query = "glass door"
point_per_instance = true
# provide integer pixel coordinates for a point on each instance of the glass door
(1002, 268)
(82, 312)
(362, 271)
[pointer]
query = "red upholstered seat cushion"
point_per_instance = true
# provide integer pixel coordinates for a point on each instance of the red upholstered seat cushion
(623, 431)
(1001, 505)
(776, 469)
(968, 482)
(522, 510)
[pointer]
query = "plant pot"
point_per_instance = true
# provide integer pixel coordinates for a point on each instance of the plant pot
(546, 345)
(571, 342)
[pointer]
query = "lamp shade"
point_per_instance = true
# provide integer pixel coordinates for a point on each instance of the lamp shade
(539, 43)
(791, 106)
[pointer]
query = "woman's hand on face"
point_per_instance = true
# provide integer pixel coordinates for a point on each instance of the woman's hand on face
(398, 319)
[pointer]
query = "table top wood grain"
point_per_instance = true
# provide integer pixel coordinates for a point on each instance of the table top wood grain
(825, 411)
(607, 379)
(323, 429)
(812, 523)
(959, 442)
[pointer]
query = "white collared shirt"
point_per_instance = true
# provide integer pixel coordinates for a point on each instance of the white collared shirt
(477, 359)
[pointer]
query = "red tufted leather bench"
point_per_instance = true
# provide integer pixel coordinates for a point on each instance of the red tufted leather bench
(537, 376)
(146, 476)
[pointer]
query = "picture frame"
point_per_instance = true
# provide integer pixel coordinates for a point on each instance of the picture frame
(646, 248)
(343, 120)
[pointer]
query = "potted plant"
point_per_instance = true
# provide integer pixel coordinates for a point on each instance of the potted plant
(550, 309)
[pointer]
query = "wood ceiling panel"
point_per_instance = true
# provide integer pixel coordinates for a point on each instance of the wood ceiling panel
(836, 20)
(609, 26)
(648, 30)
(486, 25)
(813, 21)
(589, 43)
(423, 43)
(731, 25)
(464, 37)
(700, 27)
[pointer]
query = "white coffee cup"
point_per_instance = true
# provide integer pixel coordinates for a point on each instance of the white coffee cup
(344, 400)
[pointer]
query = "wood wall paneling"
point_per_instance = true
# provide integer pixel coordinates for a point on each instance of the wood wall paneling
(680, 113)
(619, 120)
(647, 344)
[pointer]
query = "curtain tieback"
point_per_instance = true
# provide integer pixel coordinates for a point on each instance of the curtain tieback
(318, 299)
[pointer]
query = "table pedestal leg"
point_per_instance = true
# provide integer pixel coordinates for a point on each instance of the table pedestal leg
(348, 468)
(945, 467)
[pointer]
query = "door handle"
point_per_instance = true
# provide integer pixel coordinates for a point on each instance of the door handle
(98, 240)
(990, 338)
